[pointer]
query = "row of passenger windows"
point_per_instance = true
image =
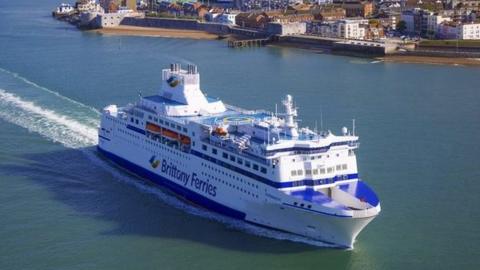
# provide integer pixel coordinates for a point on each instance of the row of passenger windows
(239, 160)
(215, 169)
(168, 149)
(228, 183)
(168, 124)
(339, 167)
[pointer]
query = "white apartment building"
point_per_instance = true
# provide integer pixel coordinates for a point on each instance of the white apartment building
(346, 29)
(469, 31)
(351, 28)
(433, 21)
(459, 31)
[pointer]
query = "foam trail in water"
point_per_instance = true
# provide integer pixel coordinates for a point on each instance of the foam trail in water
(74, 134)
(25, 80)
(48, 123)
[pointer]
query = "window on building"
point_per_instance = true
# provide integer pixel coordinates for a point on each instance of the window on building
(255, 167)
(232, 157)
(338, 167)
(204, 147)
(225, 155)
(308, 172)
(300, 172)
(247, 163)
(214, 151)
(263, 170)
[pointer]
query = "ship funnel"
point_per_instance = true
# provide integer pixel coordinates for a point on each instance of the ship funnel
(192, 69)
(175, 67)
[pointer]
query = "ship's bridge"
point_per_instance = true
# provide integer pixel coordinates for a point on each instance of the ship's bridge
(180, 95)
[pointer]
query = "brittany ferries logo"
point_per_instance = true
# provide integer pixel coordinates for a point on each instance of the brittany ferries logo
(154, 162)
(173, 81)
(191, 180)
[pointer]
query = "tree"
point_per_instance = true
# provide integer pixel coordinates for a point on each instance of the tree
(401, 26)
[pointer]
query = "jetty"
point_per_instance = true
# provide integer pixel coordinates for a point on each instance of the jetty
(258, 42)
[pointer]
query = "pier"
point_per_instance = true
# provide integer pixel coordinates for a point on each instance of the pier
(259, 42)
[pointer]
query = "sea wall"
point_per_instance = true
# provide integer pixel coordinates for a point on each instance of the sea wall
(183, 24)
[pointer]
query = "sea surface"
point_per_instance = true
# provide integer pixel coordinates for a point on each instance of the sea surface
(63, 207)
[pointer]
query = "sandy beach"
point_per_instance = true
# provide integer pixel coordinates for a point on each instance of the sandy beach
(155, 32)
(432, 60)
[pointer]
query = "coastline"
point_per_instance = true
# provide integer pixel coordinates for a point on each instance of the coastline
(411, 59)
(202, 35)
(155, 32)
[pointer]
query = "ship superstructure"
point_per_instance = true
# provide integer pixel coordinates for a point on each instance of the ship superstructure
(256, 166)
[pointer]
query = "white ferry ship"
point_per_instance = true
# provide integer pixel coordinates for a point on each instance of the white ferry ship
(256, 166)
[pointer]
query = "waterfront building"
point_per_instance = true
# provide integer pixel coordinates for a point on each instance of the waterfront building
(286, 29)
(251, 19)
(226, 17)
(422, 22)
(346, 29)
(466, 4)
(352, 28)
(433, 20)
(328, 13)
(114, 5)
(455, 30)
(112, 19)
(63, 10)
(356, 8)
(289, 17)
(88, 6)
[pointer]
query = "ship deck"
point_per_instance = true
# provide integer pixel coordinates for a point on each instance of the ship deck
(317, 197)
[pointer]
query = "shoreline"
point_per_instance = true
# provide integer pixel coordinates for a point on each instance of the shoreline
(155, 32)
(202, 35)
(431, 60)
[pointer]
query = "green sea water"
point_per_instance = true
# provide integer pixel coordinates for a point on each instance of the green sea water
(64, 207)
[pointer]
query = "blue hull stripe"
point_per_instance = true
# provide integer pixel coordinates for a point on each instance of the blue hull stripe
(141, 131)
(306, 182)
(102, 137)
(188, 194)
(304, 150)
(323, 213)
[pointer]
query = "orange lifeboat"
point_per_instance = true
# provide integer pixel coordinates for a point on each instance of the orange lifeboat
(153, 128)
(170, 134)
(220, 131)
(184, 139)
